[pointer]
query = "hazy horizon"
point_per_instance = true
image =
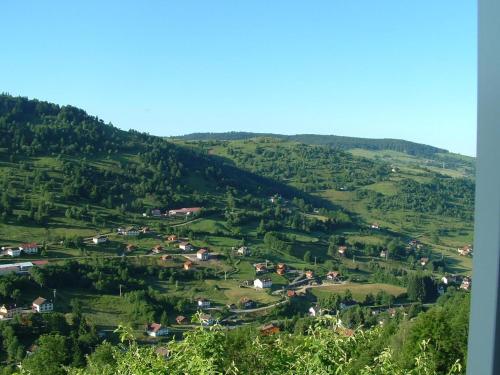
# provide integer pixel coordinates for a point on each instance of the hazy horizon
(357, 69)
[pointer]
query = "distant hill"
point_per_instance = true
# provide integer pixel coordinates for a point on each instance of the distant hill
(58, 160)
(336, 141)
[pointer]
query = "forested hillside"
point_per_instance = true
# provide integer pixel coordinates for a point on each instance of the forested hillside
(329, 140)
(262, 255)
(55, 160)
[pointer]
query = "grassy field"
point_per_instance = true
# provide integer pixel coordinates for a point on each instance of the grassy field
(359, 291)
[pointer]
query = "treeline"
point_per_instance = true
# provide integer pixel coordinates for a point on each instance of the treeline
(335, 141)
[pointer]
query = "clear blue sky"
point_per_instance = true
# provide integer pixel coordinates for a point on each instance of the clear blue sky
(399, 69)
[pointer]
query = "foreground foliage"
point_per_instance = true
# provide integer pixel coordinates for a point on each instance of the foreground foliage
(324, 350)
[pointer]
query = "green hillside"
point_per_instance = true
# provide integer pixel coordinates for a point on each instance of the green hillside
(298, 212)
(335, 141)
(403, 193)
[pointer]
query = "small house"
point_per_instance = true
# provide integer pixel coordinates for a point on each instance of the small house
(181, 319)
(162, 352)
(13, 251)
(157, 249)
(203, 303)
(243, 251)
(206, 320)
(156, 330)
(281, 268)
(186, 246)
(465, 251)
(188, 265)
(99, 239)
(172, 238)
(342, 250)
(333, 276)
(424, 261)
(262, 283)
(466, 283)
(29, 248)
(260, 268)
(309, 275)
(130, 248)
(166, 257)
(203, 254)
(247, 303)
(156, 212)
(375, 226)
(291, 293)
(41, 305)
(131, 232)
(384, 254)
(269, 329)
(9, 311)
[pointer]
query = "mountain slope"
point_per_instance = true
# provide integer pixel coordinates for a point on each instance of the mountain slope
(60, 166)
(329, 140)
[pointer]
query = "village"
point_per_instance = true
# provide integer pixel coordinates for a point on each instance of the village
(274, 283)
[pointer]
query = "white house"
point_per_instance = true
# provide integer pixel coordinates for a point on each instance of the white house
(203, 303)
(186, 246)
(244, 251)
(8, 311)
(202, 254)
(29, 248)
(13, 251)
(156, 329)
(41, 305)
(262, 283)
(99, 239)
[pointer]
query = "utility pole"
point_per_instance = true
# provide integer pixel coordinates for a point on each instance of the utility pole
(225, 275)
(54, 295)
(120, 290)
(315, 260)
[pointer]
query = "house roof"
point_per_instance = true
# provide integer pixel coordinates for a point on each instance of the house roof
(202, 251)
(31, 244)
(186, 209)
(180, 318)
(39, 301)
(184, 243)
(268, 327)
(153, 327)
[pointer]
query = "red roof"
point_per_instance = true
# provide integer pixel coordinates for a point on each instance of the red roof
(29, 245)
(154, 327)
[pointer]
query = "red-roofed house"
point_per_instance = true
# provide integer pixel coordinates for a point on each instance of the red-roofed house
(156, 329)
